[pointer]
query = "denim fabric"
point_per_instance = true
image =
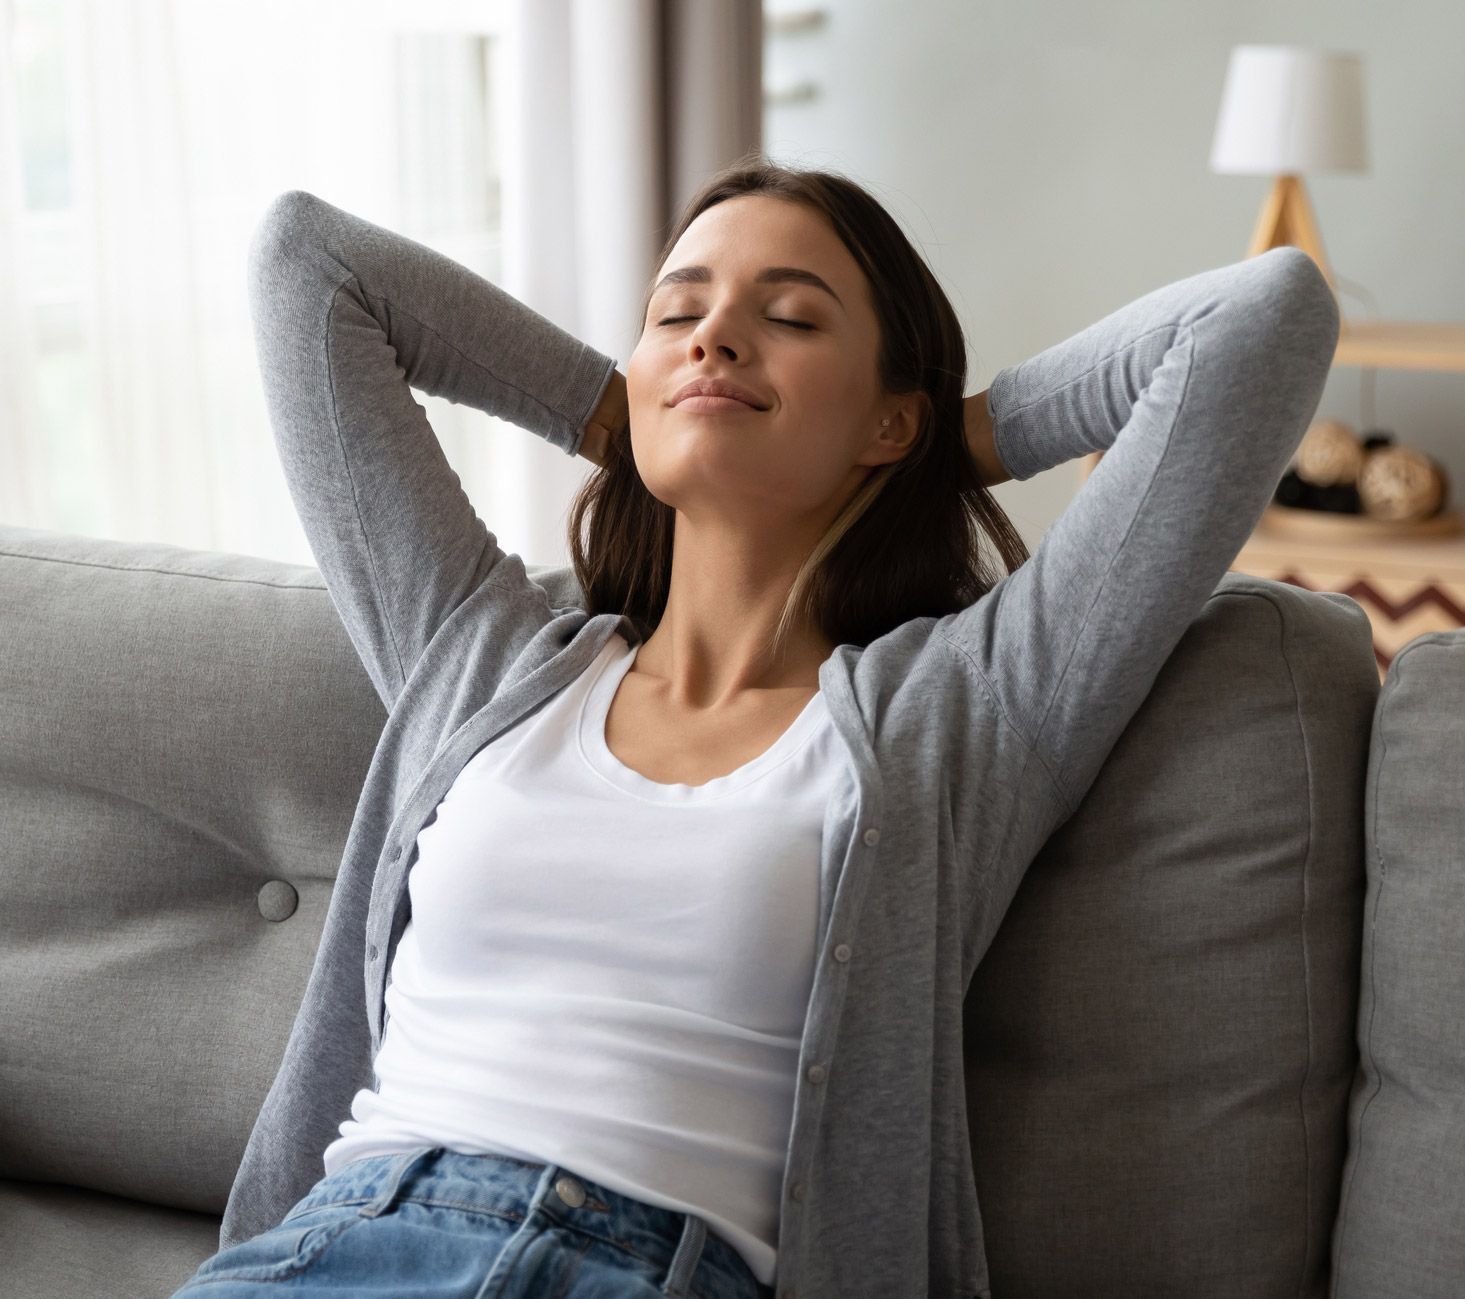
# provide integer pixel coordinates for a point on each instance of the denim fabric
(437, 1224)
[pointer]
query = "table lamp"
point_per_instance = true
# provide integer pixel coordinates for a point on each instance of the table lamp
(1286, 110)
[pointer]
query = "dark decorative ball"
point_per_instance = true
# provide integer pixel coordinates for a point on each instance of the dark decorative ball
(1335, 498)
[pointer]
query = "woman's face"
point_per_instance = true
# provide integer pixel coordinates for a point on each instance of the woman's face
(819, 436)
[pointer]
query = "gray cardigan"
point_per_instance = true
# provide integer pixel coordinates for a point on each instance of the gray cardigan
(972, 736)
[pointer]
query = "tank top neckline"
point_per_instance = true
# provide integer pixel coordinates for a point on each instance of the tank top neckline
(595, 709)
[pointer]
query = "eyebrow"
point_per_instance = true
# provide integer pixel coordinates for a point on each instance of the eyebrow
(768, 275)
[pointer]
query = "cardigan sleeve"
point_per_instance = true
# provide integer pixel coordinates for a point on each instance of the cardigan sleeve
(1199, 393)
(349, 316)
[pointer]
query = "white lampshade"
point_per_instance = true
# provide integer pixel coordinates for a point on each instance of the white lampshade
(1287, 109)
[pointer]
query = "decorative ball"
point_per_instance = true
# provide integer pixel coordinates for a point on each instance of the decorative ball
(1402, 484)
(1330, 452)
(1335, 498)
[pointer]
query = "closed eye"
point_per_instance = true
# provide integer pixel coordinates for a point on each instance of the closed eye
(797, 324)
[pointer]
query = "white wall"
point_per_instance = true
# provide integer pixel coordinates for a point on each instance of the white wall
(1050, 160)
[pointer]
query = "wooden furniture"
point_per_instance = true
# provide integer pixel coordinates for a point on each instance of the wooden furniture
(1401, 345)
(1287, 218)
(1407, 584)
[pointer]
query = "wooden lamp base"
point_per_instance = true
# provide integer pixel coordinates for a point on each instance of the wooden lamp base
(1287, 218)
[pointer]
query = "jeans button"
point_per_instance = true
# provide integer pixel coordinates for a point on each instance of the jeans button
(570, 1191)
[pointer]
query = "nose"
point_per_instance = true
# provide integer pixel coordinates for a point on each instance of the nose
(717, 331)
(722, 348)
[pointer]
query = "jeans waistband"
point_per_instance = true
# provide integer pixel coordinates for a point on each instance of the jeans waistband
(515, 1188)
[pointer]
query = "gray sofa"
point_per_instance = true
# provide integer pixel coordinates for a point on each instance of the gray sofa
(1216, 1048)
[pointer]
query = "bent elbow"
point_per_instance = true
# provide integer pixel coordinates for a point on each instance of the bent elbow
(1307, 306)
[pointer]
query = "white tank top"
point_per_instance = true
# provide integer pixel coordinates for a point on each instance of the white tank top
(608, 973)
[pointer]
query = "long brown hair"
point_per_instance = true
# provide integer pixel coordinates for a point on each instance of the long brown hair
(907, 543)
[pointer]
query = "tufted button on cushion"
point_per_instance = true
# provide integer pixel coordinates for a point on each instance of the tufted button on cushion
(277, 900)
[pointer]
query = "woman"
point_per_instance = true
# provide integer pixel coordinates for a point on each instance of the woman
(671, 870)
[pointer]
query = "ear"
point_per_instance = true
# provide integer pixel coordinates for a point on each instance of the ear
(894, 440)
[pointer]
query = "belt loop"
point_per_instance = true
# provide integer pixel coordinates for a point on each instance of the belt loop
(689, 1254)
(398, 1174)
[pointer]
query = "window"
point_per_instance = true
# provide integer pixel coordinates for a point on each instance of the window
(149, 139)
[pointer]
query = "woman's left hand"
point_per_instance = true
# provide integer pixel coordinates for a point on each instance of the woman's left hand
(980, 440)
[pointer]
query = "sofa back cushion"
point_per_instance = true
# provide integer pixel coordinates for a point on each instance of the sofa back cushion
(183, 735)
(1160, 1041)
(1401, 1220)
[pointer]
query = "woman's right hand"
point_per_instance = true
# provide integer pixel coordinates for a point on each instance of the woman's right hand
(611, 419)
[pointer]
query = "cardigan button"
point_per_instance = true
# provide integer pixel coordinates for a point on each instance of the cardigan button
(816, 1073)
(371, 952)
(842, 952)
(872, 836)
(796, 1191)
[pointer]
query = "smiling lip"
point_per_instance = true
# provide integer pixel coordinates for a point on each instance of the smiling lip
(712, 386)
(700, 402)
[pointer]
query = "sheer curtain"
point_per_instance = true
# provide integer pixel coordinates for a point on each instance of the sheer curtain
(143, 139)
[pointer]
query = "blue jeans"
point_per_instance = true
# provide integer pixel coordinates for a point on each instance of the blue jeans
(436, 1224)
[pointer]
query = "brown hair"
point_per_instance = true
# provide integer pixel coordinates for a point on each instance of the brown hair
(907, 543)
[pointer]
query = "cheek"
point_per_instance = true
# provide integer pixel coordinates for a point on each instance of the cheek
(650, 371)
(820, 384)
(643, 399)
(636, 373)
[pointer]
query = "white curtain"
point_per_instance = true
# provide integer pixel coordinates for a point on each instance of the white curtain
(149, 136)
(143, 139)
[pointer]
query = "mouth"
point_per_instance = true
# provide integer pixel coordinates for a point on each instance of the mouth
(701, 403)
(695, 395)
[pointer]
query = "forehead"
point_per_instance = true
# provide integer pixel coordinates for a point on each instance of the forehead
(762, 239)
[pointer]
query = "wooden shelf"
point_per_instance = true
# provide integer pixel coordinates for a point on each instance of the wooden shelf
(1401, 345)
(1277, 540)
(1290, 523)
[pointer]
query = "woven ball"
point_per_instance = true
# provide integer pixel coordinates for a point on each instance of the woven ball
(1401, 484)
(1330, 453)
